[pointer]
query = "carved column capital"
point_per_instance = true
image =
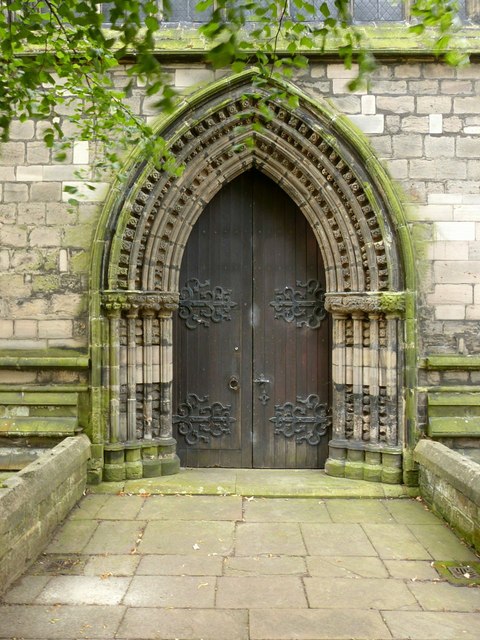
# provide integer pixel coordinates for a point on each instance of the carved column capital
(369, 303)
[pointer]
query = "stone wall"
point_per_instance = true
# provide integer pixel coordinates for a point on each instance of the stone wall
(36, 500)
(450, 485)
(423, 119)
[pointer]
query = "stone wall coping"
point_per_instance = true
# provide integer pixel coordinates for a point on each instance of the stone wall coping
(451, 362)
(59, 359)
(461, 472)
(42, 493)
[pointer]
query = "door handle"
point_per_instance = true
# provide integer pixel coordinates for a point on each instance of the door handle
(261, 379)
(234, 383)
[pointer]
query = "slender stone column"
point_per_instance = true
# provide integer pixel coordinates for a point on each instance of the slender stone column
(132, 374)
(114, 311)
(374, 379)
(338, 375)
(166, 371)
(391, 378)
(357, 375)
(148, 315)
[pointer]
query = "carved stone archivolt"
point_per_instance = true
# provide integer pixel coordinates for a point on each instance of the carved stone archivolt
(303, 150)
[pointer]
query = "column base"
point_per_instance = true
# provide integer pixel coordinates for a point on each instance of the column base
(136, 460)
(357, 462)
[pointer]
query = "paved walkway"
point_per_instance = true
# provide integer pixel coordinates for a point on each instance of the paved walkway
(231, 568)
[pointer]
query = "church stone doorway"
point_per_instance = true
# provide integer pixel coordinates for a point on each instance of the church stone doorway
(251, 335)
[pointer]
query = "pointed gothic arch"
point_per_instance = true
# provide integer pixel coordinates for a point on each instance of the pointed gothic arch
(330, 171)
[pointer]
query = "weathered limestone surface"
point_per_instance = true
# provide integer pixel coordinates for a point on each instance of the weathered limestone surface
(36, 500)
(450, 484)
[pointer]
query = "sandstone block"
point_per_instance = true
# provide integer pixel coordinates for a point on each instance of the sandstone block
(436, 147)
(12, 153)
(55, 329)
(455, 231)
(188, 77)
(15, 192)
(410, 146)
(407, 71)
(22, 130)
(419, 87)
(347, 104)
(31, 213)
(13, 236)
(468, 147)
(369, 124)
(30, 173)
(460, 294)
(44, 237)
(450, 312)
(46, 192)
(457, 272)
(38, 153)
(26, 328)
(435, 123)
(434, 104)
(396, 104)
(339, 71)
(466, 105)
(81, 152)
(6, 328)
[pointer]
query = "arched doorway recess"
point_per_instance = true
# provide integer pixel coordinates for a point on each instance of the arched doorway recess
(329, 171)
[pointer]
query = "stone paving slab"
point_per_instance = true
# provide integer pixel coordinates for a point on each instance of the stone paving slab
(255, 538)
(260, 592)
(198, 624)
(318, 624)
(265, 565)
(359, 511)
(72, 536)
(59, 622)
(186, 537)
(198, 508)
(441, 596)
(441, 542)
(396, 542)
(368, 593)
(337, 540)
(171, 591)
(84, 590)
(427, 625)
(349, 567)
(180, 565)
(286, 510)
(114, 537)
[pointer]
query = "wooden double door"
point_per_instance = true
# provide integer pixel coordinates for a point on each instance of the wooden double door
(251, 337)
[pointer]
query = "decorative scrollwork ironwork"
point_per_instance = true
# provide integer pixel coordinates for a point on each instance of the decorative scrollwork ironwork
(197, 421)
(200, 304)
(307, 421)
(306, 308)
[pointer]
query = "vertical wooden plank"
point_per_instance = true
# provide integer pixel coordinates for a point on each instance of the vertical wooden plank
(213, 359)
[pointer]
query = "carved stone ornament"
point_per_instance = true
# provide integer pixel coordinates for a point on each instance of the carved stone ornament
(306, 422)
(197, 421)
(304, 305)
(200, 303)
(391, 302)
(144, 301)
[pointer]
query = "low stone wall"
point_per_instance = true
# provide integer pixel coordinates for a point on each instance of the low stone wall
(450, 484)
(36, 500)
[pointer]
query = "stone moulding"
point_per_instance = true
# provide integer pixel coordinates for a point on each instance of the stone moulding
(328, 168)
